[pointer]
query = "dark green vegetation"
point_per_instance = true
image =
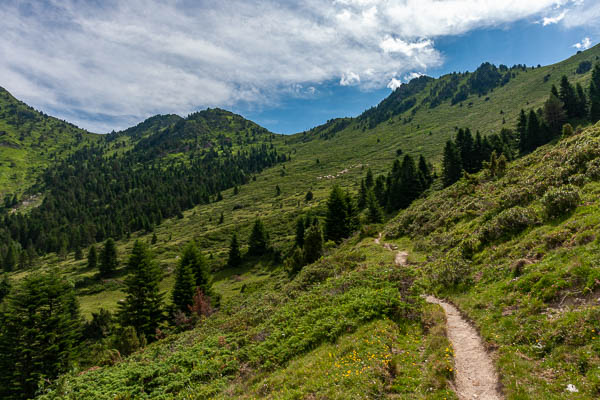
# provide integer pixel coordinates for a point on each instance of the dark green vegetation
(301, 302)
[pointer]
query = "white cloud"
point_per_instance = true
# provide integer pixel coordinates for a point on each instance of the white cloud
(109, 64)
(394, 84)
(350, 79)
(554, 20)
(412, 76)
(585, 44)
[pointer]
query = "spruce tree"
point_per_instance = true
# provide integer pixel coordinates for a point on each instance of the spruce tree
(568, 96)
(108, 258)
(258, 243)
(534, 131)
(464, 143)
(4, 287)
(92, 259)
(337, 218)
(194, 258)
(39, 334)
(185, 284)
(451, 164)
(361, 201)
(554, 114)
(235, 256)
(524, 141)
(369, 180)
(594, 93)
(299, 239)
(313, 244)
(582, 106)
(425, 172)
(143, 305)
(374, 211)
(380, 189)
(10, 258)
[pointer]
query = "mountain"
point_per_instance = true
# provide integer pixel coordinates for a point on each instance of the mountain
(351, 325)
(30, 141)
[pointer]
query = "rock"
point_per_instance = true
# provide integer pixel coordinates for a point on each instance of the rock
(571, 388)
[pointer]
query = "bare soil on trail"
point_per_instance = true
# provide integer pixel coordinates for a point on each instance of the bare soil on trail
(475, 375)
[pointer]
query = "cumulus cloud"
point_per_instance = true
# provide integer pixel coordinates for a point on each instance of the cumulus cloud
(585, 44)
(109, 64)
(554, 20)
(394, 84)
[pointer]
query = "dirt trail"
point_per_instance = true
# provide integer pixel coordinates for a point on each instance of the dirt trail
(476, 378)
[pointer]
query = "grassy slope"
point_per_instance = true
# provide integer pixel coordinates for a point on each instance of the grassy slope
(30, 141)
(354, 295)
(533, 291)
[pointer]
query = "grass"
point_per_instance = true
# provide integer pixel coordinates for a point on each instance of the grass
(532, 291)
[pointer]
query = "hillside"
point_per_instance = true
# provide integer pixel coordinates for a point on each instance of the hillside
(30, 141)
(171, 180)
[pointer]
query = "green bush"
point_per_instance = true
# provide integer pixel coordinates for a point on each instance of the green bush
(450, 271)
(561, 200)
(508, 222)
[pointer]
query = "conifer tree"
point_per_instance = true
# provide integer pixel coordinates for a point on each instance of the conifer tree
(380, 189)
(10, 258)
(524, 141)
(369, 180)
(374, 211)
(299, 239)
(154, 238)
(451, 164)
(339, 220)
(4, 287)
(361, 201)
(78, 253)
(425, 172)
(534, 131)
(309, 196)
(108, 258)
(221, 218)
(199, 267)
(594, 93)
(554, 114)
(258, 243)
(410, 184)
(235, 256)
(39, 334)
(582, 106)
(92, 260)
(313, 244)
(464, 143)
(185, 283)
(568, 96)
(143, 305)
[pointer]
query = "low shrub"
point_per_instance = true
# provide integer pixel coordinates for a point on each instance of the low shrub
(508, 222)
(561, 200)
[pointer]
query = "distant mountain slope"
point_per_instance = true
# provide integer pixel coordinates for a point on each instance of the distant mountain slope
(30, 141)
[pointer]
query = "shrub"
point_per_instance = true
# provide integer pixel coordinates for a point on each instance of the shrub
(450, 271)
(508, 222)
(561, 200)
(593, 169)
(567, 130)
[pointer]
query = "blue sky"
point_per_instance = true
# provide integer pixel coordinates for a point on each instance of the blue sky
(286, 65)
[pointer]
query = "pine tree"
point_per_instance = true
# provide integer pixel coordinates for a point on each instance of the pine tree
(309, 196)
(10, 258)
(299, 239)
(464, 143)
(554, 114)
(451, 164)
(361, 201)
(235, 256)
(221, 218)
(369, 180)
(340, 215)
(374, 211)
(425, 172)
(143, 305)
(313, 244)
(185, 282)
(199, 267)
(524, 140)
(594, 93)
(277, 190)
(4, 287)
(92, 257)
(108, 258)
(258, 243)
(568, 96)
(39, 334)
(534, 131)
(154, 238)
(78, 253)
(380, 190)
(582, 106)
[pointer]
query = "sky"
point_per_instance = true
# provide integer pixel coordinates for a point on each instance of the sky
(288, 65)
